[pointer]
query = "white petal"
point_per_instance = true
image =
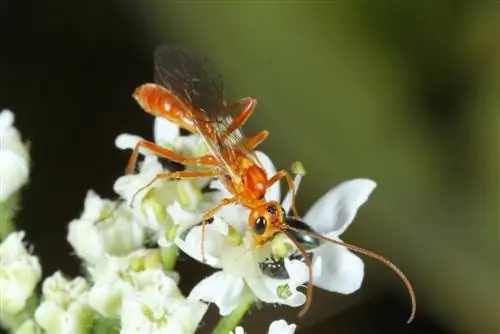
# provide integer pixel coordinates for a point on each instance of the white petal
(218, 185)
(335, 211)
(127, 141)
(6, 119)
(182, 217)
(273, 193)
(341, 270)
(281, 327)
(221, 288)
(266, 289)
(12, 247)
(20, 273)
(214, 244)
(106, 298)
(14, 171)
(128, 185)
(238, 330)
(165, 131)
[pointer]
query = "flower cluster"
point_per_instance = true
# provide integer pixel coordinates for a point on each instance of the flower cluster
(129, 250)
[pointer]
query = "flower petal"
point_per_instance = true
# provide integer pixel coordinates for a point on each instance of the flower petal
(273, 193)
(341, 270)
(281, 327)
(279, 291)
(214, 243)
(127, 141)
(335, 211)
(14, 171)
(220, 288)
(165, 131)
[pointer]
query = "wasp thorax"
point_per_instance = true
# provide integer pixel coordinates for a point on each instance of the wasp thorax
(255, 181)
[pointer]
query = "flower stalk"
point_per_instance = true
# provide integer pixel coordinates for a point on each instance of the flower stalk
(106, 326)
(169, 257)
(8, 210)
(229, 322)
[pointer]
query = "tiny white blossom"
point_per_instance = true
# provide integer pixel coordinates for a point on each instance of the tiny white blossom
(19, 273)
(161, 309)
(14, 157)
(281, 327)
(238, 330)
(104, 228)
(64, 308)
(116, 277)
(276, 327)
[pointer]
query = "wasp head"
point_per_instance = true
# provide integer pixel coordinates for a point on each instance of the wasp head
(265, 220)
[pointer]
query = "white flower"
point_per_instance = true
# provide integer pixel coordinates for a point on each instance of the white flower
(64, 308)
(14, 158)
(103, 229)
(116, 277)
(334, 268)
(276, 327)
(281, 327)
(149, 205)
(161, 308)
(19, 273)
(341, 270)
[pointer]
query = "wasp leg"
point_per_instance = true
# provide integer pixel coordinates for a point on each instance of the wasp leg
(207, 160)
(207, 216)
(243, 116)
(278, 176)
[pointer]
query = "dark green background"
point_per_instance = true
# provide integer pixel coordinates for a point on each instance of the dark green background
(404, 93)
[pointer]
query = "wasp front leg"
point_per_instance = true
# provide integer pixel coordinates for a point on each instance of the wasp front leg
(206, 160)
(207, 216)
(243, 116)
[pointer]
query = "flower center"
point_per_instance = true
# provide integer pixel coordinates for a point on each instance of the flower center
(283, 291)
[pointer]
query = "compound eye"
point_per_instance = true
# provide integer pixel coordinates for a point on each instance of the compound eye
(272, 210)
(260, 226)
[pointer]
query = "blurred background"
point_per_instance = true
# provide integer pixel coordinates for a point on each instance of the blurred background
(404, 93)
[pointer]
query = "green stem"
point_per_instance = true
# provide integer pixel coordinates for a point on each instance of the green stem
(230, 321)
(8, 209)
(106, 326)
(169, 257)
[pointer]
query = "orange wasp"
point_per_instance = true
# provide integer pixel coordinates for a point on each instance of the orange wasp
(188, 91)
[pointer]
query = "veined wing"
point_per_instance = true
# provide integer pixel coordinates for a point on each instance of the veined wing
(190, 76)
(195, 79)
(236, 143)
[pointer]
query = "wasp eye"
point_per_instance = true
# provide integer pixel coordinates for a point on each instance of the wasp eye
(260, 225)
(272, 210)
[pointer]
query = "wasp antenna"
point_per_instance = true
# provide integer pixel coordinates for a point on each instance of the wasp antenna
(309, 291)
(368, 253)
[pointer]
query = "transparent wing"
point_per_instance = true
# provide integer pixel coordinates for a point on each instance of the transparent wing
(192, 77)
(195, 79)
(236, 141)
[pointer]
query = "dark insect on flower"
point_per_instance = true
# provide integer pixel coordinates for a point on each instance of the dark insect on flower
(275, 268)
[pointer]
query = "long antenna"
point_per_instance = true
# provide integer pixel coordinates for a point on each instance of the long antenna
(309, 291)
(371, 254)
